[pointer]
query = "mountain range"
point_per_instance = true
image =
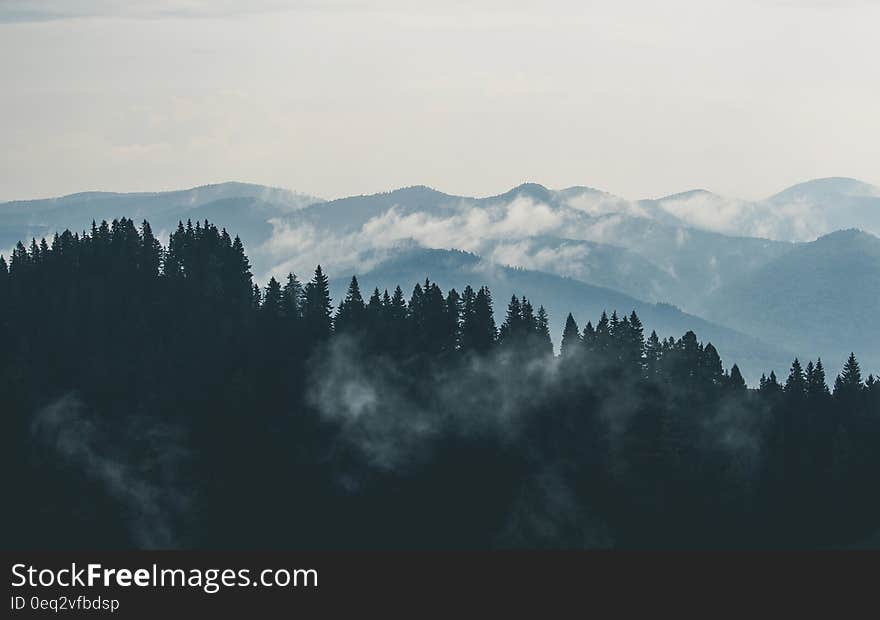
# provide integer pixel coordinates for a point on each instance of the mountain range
(795, 274)
(559, 296)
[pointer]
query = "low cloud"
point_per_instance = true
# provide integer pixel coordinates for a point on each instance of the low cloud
(152, 502)
(393, 426)
(795, 220)
(299, 246)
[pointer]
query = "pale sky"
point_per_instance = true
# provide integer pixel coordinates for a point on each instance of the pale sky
(336, 97)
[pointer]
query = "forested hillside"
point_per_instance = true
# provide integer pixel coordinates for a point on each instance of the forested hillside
(561, 296)
(156, 397)
(822, 296)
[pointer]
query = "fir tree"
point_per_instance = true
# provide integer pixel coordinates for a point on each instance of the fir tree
(452, 321)
(273, 307)
(292, 297)
(317, 307)
(478, 331)
(352, 312)
(571, 339)
(544, 344)
(796, 385)
(588, 338)
(850, 379)
(711, 371)
(735, 382)
(512, 329)
(816, 382)
(150, 259)
(653, 351)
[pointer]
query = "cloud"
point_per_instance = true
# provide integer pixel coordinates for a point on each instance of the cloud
(145, 486)
(298, 246)
(792, 220)
(393, 426)
(600, 203)
(396, 424)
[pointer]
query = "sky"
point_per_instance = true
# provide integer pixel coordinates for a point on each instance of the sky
(339, 97)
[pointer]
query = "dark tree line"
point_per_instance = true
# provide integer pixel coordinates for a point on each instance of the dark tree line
(156, 396)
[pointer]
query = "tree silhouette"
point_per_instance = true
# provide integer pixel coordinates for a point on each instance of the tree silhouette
(571, 339)
(317, 307)
(134, 370)
(352, 313)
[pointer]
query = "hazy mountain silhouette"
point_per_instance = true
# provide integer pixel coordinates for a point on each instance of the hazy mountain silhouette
(245, 207)
(661, 250)
(455, 269)
(802, 212)
(822, 296)
(682, 261)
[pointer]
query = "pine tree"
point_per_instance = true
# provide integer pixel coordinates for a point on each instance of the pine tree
(468, 297)
(452, 326)
(352, 312)
(530, 322)
(711, 370)
(511, 331)
(653, 351)
(374, 305)
(19, 261)
(35, 249)
(588, 338)
(317, 307)
(772, 385)
(237, 270)
(735, 382)
(256, 297)
(544, 344)
(604, 342)
(796, 384)
(435, 336)
(397, 323)
(273, 308)
(635, 346)
(397, 309)
(292, 297)
(571, 339)
(478, 331)
(416, 320)
(689, 364)
(816, 383)
(150, 259)
(850, 379)
(848, 392)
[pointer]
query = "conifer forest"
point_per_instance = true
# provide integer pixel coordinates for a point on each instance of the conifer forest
(157, 397)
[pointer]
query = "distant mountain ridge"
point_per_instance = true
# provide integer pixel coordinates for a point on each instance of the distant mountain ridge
(455, 269)
(802, 212)
(244, 207)
(568, 232)
(706, 254)
(822, 298)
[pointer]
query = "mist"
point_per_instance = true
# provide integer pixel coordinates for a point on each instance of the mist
(138, 467)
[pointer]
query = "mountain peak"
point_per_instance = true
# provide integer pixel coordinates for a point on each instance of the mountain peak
(826, 187)
(535, 191)
(416, 190)
(848, 235)
(691, 193)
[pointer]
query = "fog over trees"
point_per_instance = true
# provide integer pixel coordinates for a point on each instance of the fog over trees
(155, 396)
